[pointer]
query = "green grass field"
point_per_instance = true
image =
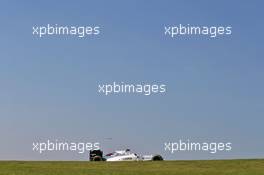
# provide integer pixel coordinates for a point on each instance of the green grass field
(210, 167)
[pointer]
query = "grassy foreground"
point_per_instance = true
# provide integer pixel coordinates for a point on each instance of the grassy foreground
(207, 167)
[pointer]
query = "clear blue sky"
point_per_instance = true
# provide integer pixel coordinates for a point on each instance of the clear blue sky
(48, 86)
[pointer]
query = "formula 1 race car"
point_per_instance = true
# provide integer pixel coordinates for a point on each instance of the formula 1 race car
(124, 155)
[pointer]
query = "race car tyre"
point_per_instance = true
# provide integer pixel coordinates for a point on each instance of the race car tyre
(157, 158)
(97, 158)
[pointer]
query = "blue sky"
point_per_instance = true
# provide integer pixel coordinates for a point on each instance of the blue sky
(49, 85)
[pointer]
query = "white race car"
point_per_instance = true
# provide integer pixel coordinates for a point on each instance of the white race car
(123, 155)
